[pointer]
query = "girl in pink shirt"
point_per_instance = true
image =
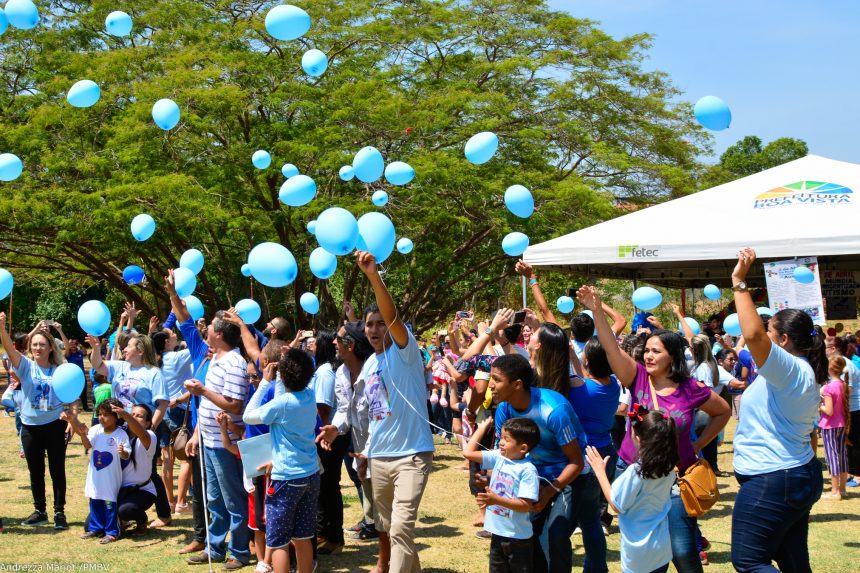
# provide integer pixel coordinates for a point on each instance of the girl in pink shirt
(833, 424)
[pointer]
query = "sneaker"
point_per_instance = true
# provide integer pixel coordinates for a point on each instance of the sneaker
(703, 556)
(357, 527)
(60, 522)
(483, 534)
(852, 482)
(263, 568)
(364, 534)
(232, 564)
(577, 531)
(202, 558)
(36, 518)
(605, 530)
(183, 508)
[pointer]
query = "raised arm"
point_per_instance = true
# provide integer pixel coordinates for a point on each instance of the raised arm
(526, 270)
(454, 337)
(77, 427)
(396, 327)
(11, 351)
(59, 328)
(622, 365)
(96, 355)
(619, 323)
(249, 341)
(176, 303)
(502, 318)
(688, 332)
(752, 328)
(473, 452)
(134, 426)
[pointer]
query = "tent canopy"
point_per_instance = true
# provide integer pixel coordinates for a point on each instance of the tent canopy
(807, 207)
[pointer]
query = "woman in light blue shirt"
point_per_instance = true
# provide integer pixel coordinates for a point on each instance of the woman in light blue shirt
(780, 477)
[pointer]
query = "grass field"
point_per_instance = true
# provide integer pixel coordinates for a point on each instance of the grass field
(445, 534)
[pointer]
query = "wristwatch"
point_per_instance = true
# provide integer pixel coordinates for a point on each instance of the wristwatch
(488, 331)
(740, 287)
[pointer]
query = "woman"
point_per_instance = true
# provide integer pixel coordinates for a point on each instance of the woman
(664, 368)
(137, 493)
(780, 477)
(42, 431)
(549, 352)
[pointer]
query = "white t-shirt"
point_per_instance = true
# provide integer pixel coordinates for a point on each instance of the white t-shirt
(140, 471)
(519, 349)
(104, 475)
(227, 376)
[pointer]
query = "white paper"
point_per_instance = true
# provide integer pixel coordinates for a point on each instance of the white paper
(255, 452)
(785, 292)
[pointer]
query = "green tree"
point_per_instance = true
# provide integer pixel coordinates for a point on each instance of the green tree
(747, 157)
(581, 124)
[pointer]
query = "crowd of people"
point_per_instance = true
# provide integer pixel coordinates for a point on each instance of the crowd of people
(562, 430)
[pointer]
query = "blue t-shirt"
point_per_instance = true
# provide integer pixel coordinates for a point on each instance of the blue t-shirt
(323, 386)
(76, 358)
(291, 417)
(777, 416)
(396, 393)
(854, 383)
(198, 349)
(142, 385)
(558, 426)
(176, 368)
(595, 404)
(643, 518)
(746, 360)
(512, 479)
(40, 403)
(252, 430)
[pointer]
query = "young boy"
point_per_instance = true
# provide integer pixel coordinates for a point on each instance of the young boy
(513, 489)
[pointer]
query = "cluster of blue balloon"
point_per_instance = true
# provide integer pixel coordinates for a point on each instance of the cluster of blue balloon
(647, 298)
(713, 113)
(6, 283)
(288, 23)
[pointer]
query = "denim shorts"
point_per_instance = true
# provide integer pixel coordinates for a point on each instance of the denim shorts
(291, 510)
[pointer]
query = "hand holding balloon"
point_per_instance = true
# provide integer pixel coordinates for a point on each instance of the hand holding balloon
(366, 263)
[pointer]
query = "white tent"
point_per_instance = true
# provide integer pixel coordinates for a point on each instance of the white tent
(807, 207)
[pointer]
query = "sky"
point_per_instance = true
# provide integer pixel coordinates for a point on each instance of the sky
(786, 68)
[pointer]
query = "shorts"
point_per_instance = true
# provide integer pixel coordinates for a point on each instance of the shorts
(257, 504)
(170, 423)
(291, 510)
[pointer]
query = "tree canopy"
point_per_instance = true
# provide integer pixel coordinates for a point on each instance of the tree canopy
(581, 124)
(748, 156)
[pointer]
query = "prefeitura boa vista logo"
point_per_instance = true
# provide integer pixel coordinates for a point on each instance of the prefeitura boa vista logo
(805, 193)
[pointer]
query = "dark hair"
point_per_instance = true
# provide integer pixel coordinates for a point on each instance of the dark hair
(838, 342)
(552, 359)
(132, 439)
(104, 407)
(634, 346)
(714, 317)
(296, 369)
(658, 442)
(850, 347)
(326, 351)
(513, 332)
(515, 367)
(674, 344)
(371, 309)
(282, 328)
(594, 354)
(523, 430)
(723, 352)
(19, 339)
(273, 350)
(581, 327)
(159, 341)
(356, 337)
(230, 333)
(805, 341)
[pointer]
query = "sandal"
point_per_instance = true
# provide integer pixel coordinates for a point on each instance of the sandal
(89, 535)
(330, 548)
(107, 539)
(156, 523)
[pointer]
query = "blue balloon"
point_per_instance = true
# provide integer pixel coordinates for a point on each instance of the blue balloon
(712, 292)
(248, 310)
(323, 264)
(482, 147)
(803, 275)
(22, 14)
(289, 170)
(273, 265)
(246, 270)
(399, 173)
(380, 198)
(6, 283)
(133, 274)
(118, 24)
(194, 306)
(647, 298)
(713, 113)
(84, 93)
(314, 63)
(166, 114)
(762, 311)
(287, 22)
(377, 232)
(312, 227)
(732, 324)
(297, 191)
(337, 231)
(368, 164)
(691, 322)
(564, 304)
(68, 382)
(515, 244)
(310, 303)
(142, 227)
(4, 22)
(519, 201)
(184, 281)
(192, 259)
(94, 317)
(11, 167)
(261, 159)
(405, 246)
(346, 173)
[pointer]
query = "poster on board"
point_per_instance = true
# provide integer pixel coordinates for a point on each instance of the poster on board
(785, 292)
(840, 290)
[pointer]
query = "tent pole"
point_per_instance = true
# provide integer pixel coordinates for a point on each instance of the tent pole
(525, 295)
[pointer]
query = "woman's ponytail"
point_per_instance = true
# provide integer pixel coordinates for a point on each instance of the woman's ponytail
(805, 339)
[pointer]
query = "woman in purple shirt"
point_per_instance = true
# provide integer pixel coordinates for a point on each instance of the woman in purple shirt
(677, 394)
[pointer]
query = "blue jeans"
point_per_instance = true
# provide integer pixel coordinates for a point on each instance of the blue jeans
(770, 520)
(579, 502)
(228, 505)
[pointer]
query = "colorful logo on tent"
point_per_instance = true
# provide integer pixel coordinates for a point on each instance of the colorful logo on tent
(805, 193)
(636, 252)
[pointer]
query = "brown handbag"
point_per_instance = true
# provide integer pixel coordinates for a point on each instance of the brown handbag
(698, 485)
(180, 437)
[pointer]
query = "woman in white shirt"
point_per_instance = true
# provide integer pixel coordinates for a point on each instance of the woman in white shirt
(137, 493)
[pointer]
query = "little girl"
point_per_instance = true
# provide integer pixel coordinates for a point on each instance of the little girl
(834, 426)
(640, 495)
(109, 444)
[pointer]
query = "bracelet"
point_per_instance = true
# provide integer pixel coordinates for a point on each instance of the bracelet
(533, 282)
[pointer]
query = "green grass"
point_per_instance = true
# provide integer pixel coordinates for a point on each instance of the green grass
(445, 534)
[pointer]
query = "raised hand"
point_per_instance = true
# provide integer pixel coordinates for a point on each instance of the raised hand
(746, 258)
(524, 269)
(366, 262)
(502, 319)
(588, 297)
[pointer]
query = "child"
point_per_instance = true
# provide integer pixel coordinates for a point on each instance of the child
(640, 495)
(513, 489)
(101, 392)
(834, 426)
(13, 399)
(110, 444)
